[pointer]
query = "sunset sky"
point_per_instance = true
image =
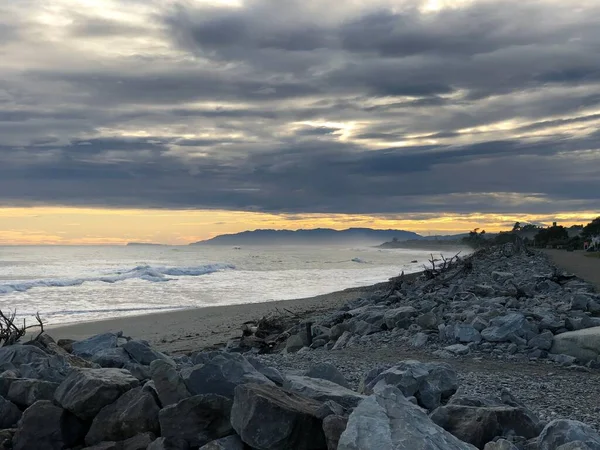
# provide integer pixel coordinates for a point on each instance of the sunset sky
(176, 120)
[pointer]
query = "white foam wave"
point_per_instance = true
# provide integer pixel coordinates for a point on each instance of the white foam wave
(147, 273)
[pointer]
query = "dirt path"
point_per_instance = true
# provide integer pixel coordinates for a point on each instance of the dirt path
(578, 264)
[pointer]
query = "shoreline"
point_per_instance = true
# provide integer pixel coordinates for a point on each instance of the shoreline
(184, 330)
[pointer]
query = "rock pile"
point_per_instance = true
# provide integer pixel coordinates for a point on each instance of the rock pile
(502, 301)
(218, 400)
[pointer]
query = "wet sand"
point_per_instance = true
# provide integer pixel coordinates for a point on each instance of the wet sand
(194, 329)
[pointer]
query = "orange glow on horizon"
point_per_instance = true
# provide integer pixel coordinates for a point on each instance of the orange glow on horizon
(88, 226)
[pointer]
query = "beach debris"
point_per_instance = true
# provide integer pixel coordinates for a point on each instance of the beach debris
(11, 333)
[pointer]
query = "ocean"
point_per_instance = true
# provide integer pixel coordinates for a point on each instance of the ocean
(70, 284)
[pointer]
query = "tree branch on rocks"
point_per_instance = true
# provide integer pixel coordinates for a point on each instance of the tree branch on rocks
(10, 333)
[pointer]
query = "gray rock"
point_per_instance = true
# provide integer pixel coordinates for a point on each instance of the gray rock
(501, 277)
(294, 343)
(427, 321)
(362, 328)
(457, 349)
(135, 412)
(387, 421)
(552, 323)
(576, 445)
(543, 341)
(114, 357)
(45, 426)
(562, 431)
(484, 290)
(9, 414)
(270, 418)
(25, 392)
(480, 425)
(169, 444)
(583, 344)
(337, 330)
(430, 383)
(18, 355)
(419, 340)
(342, 341)
(222, 374)
(503, 328)
(393, 317)
(270, 372)
(500, 444)
(565, 360)
(86, 391)
(199, 419)
(169, 385)
(465, 333)
(227, 443)
(480, 324)
(143, 353)
(333, 427)
(580, 302)
(322, 390)
(142, 373)
(54, 368)
(92, 345)
(327, 371)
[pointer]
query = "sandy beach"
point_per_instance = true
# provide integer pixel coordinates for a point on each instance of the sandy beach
(192, 329)
(578, 264)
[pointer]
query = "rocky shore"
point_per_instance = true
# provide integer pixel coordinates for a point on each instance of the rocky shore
(499, 351)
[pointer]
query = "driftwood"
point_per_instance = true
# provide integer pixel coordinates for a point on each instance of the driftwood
(10, 333)
(272, 331)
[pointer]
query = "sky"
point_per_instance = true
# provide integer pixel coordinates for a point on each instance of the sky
(176, 120)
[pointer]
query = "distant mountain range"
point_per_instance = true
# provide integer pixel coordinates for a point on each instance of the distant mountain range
(315, 236)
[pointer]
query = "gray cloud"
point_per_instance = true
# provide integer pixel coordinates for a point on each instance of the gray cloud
(297, 107)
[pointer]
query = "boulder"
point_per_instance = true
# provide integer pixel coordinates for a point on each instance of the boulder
(54, 368)
(169, 444)
(543, 341)
(502, 329)
(322, 390)
(362, 328)
(427, 321)
(501, 277)
(342, 341)
(86, 391)
(582, 344)
(430, 383)
(115, 357)
(227, 443)
(133, 413)
(500, 444)
(139, 442)
(562, 431)
(9, 414)
(198, 420)
(395, 316)
(142, 352)
(92, 345)
(333, 427)
(25, 392)
(270, 418)
(576, 445)
(45, 426)
(466, 333)
(419, 340)
(388, 421)
(580, 302)
(18, 355)
(270, 372)
(480, 425)
(222, 374)
(169, 385)
(327, 371)
(53, 348)
(294, 343)
(457, 349)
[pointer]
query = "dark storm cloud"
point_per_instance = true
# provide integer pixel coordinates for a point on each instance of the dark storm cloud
(303, 106)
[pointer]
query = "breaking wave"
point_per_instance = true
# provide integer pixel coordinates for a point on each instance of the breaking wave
(147, 273)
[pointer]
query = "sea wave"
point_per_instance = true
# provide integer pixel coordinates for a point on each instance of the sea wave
(147, 273)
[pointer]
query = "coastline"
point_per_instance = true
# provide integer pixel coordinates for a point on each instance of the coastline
(185, 330)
